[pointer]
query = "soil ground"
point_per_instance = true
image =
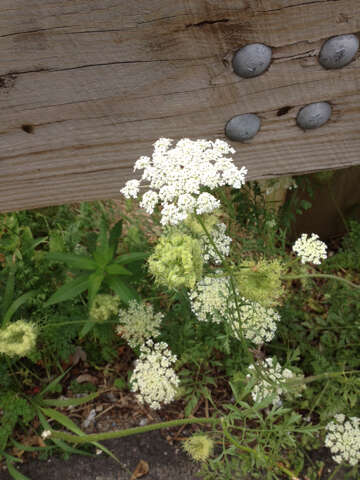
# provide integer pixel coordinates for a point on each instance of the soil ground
(164, 462)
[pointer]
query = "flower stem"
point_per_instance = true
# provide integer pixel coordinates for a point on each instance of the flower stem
(336, 469)
(227, 268)
(320, 275)
(95, 437)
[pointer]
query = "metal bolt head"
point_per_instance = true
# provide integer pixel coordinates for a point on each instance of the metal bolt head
(313, 115)
(251, 60)
(338, 51)
(242, 127)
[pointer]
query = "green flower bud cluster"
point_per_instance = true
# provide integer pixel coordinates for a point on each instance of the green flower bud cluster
(199, 447)
(191, 223)
(177, 260)
(260, 281)
(139, 323)
(104, 307)
(18, 338)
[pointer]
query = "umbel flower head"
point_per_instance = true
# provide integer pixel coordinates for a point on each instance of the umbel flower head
(260, 281)
(343, 439)
(103, 307)
(180, 178)
(18, 338)
(139, 323)
(154, 379)
(271, 381)
(210, 300)
(216, 230)
(199, 447)
(310, 249)
(258, 323)
(177, 260)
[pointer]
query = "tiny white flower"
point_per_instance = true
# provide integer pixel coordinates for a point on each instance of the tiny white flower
(149, 200)
(131, 189)
(343, 438)
(190, 168)
(258, 324)
(154, 380)
(46, 434)
(310, 249)
(271, 381)
(206, 203)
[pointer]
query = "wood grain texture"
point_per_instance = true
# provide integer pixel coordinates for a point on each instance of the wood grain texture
(86, 87)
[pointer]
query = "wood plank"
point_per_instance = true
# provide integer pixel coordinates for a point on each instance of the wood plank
(96, 83)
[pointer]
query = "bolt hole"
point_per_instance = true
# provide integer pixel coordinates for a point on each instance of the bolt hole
(283, 111)
(27, 128)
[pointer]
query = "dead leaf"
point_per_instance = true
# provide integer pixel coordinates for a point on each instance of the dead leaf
(78, 355)
(142, 468)
(85, 377)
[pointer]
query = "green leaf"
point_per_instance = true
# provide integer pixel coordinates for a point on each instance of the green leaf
(89, 325)
(125, 292)
(102, 256)
(131, 257)
(81, 262)
(14, 473)
(69, 290)
(27, 448)
(70, 425)
(67, 402)
(95, 281)
(9, 289)
(63, 420)
(115, 235)
(60, 443)
(51, 385)
(16, 305)
(115, 269)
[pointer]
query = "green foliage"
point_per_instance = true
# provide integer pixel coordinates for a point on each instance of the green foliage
(62, 266)
(15, 409)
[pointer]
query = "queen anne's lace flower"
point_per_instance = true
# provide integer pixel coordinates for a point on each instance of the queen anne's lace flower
(18, 338)
(139, 323)
(271, 382)
(154, 378)
(179, 176)
(310, 249)
(221, 241)
(258, 323)
(210, 299)
(343, 439)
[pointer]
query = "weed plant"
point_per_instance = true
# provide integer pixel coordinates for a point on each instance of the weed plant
(262, 341)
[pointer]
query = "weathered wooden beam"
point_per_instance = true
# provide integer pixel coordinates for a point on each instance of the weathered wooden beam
(86, 87)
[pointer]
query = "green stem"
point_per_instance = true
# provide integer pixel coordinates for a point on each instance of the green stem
(337, 468)
(244, 448)
(320, 275)
(227, 268)
(95, 437)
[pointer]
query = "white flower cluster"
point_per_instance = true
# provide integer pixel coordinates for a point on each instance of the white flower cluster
(221, 241)
(154, 378)
(139, 323)
(310, 249)
(178, 176)
(258, 323)
(343, 439)
(271, 383)
(210, 299)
